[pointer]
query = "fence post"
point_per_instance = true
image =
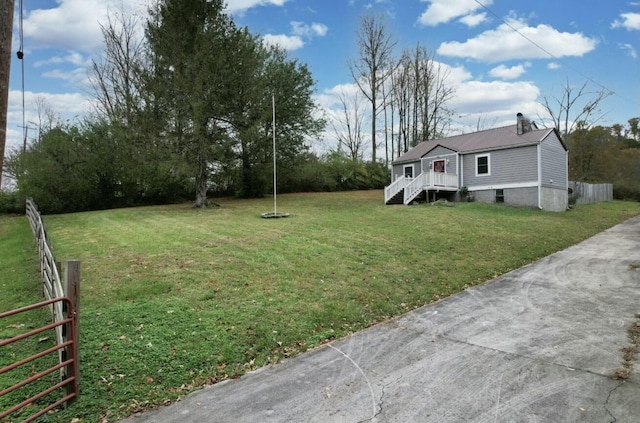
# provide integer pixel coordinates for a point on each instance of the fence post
(72, 291)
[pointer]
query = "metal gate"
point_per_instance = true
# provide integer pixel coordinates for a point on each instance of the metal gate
(67, 352)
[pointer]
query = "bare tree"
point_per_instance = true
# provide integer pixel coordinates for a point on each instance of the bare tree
(373, 66)
(420, 96)
(562, 110)
(431, 95)
(348, 131)
(401, 88)
(47, 116)
(116, 77)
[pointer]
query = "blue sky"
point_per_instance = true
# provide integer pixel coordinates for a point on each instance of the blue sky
(494, 70)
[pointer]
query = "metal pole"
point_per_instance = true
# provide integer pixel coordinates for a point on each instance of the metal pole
(273, 106)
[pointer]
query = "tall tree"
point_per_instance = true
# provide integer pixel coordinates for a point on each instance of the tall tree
(213, 83)
(190, 41)
(373, 66)
(116, 77)
(291, 84)
(348, 124)
(420, 96)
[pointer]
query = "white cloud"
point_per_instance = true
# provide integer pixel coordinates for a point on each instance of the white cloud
(304, 30)
(73, 58)
(78, 77)
(554, 65)
(286, 42)
(504, 72)
(73, 24)
(299, 32)
(629, 49)
(504, 43)
(630, 21)
(474, 20)
(442, 11)
(240, 6)
(494, 97)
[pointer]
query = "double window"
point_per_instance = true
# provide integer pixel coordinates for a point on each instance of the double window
(483, 164)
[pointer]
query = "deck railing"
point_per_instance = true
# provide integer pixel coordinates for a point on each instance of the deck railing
(425, 181)
(395, 187)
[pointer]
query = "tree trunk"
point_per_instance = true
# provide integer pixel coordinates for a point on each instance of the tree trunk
(201, 185)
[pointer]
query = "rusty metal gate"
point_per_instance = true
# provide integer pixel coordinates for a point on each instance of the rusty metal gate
(67, 352)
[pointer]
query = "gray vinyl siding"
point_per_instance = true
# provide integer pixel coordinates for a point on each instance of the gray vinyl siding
(398, 169)
(507, 166)
(439, 151)
(554, 162)
(450, 167)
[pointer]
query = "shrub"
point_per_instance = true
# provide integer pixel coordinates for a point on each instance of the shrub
(11, 202)
(626, 192)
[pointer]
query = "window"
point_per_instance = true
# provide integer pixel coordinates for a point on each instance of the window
(438, 166)
(499, 196)
(483, 165)
(408, 171)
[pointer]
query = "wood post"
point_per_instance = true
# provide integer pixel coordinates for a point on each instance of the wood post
(6, 32)
(72, 291)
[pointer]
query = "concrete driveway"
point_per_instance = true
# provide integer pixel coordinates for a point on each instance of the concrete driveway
(538, 344)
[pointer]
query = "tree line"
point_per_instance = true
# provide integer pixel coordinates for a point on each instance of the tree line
(184, 111)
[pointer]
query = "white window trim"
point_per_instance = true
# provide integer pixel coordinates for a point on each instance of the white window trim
(488, 156)
(413, 170)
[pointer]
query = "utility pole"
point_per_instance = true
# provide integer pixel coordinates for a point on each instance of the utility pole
(6, 30)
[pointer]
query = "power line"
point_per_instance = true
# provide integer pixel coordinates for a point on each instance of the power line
(578, 71)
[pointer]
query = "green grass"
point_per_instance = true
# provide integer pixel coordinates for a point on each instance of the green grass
(174, 298)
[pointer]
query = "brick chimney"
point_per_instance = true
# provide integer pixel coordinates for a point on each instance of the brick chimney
(523, 124)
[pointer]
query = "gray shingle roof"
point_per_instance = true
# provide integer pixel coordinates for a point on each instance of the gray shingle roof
(490, 139)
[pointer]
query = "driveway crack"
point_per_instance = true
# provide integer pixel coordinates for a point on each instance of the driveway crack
(606, 403)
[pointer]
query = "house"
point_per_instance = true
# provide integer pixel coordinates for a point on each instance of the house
(517, 164)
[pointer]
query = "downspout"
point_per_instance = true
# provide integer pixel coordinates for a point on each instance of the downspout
(461, 163)
(566, 190)
(540, 176)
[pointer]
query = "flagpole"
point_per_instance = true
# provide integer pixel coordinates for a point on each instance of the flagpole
(273, 106)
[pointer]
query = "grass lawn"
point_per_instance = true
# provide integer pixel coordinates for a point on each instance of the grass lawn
(174, 298)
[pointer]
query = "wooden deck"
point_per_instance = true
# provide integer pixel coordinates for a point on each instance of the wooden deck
(408, 189)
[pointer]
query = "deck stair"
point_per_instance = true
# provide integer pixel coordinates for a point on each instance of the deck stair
(404, 190)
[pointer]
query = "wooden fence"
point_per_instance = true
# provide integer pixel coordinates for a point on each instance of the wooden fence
(591, 193)
(53, 286)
